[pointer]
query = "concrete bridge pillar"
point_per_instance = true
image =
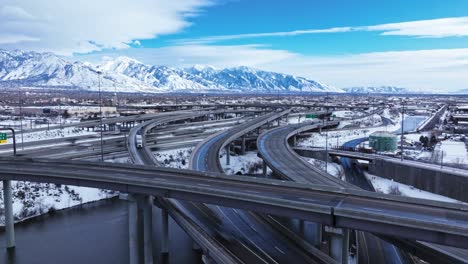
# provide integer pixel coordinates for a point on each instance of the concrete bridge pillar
(301, 227)
(133, 240)
(318, 235)
(165, 232)
(339, 245)
(9, 221)
(264, 169)
(228, 154)
(243, 146)
(147, 207)
(294, 140)
(140, 211)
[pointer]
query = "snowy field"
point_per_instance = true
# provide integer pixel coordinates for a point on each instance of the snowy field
(334, 169)
(373, 120)
(175, 158)
(391, 187)
(249, 163)
(51, 134)
(337, 138)
(453, 151)
(32, 199)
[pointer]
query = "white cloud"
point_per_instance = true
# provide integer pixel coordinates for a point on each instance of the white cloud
(434, 70)
(188, 55)
(83, 26)
(438, 70)
(432, 28)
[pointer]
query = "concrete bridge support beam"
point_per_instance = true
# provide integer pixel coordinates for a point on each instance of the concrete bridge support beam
(301, 227)
(228, 154)
(147, 206)
(294, 141)
(264, 169)
(9, 221)
(339, 246)
(243, 146)
(133, 240)
(318, 235)
(140, 228)
(165, 232)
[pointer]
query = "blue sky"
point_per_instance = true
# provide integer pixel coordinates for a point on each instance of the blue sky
(416, 44)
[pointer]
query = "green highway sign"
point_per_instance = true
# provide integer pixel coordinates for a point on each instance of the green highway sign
(3, 138)
(311, 116)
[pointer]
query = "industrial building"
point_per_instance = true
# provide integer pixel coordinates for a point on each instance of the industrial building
(383, 141)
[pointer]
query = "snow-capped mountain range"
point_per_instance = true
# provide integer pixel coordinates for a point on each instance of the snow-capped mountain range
(377, 90)
(123, 74)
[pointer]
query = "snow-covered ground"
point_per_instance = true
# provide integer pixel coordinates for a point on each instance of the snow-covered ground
(337, 138)
(51, 134)
(296, 119)
(391, 187)
(368, 121)
(31, 199)
(453, 151)
(249, 163)
(333, 169)
(29, 123)
(175, 158)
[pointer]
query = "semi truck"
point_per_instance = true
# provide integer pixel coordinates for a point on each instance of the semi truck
(139, 141)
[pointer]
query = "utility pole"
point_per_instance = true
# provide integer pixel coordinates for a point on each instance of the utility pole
(100, 116)
(326, 135)
(402, 128)
(20, 100)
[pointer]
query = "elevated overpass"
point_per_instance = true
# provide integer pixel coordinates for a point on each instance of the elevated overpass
(446, 181)
(438, 222)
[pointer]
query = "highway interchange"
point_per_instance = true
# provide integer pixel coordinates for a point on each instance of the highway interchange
(206, 202)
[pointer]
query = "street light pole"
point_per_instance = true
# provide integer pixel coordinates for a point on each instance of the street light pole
(20, 100)
(402, 128)
(100, 116)
(326, 135)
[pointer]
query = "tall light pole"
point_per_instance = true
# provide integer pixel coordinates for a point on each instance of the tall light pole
(326, 135)
(100, 115)
(20, 100)
(402, 127)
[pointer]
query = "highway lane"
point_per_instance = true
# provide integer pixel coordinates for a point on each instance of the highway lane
(268, 243)
(273, 145)
(426, 251)
(233, 229)
(381, 251)
(193, 217)
(274, 148)
(271, 141)
(88, 147)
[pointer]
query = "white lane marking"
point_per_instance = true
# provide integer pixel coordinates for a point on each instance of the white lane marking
(281, 251)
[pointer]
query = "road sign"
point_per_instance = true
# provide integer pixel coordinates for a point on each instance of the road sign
(3, 138)
(311, 116)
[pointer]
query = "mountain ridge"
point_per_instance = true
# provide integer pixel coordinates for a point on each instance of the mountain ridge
(124, 74)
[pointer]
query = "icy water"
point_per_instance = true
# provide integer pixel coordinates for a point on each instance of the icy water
(94, 233)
